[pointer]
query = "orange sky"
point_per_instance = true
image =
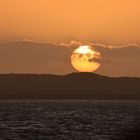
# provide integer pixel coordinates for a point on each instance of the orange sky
(105, 21)
(110, 22)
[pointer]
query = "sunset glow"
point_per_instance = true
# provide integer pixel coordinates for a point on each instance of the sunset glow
(86, 59)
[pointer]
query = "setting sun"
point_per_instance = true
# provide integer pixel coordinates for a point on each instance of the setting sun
(86, 59)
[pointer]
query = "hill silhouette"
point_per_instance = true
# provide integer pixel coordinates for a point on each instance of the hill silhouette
(71, 86)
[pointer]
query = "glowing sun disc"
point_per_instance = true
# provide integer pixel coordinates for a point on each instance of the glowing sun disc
(86, 59)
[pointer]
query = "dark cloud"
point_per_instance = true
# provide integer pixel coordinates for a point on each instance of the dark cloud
(120, 61)
(39, 57)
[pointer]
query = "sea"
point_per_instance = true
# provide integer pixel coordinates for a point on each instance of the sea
(69, 120)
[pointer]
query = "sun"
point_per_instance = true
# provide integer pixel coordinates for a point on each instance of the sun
(86, 59)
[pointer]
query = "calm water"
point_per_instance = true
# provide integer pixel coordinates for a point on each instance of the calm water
(70, 120)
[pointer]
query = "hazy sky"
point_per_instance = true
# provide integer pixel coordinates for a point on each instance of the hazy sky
(107, 21)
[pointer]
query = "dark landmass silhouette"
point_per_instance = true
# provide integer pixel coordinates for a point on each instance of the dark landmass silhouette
(71, 86)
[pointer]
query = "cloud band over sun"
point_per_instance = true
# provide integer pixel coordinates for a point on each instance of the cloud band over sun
(41, 57)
